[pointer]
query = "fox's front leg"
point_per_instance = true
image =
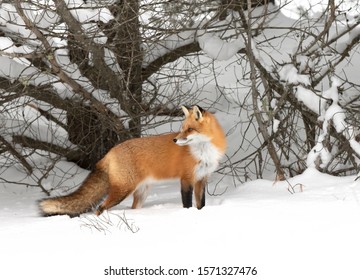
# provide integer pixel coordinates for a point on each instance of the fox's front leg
(186, 193)
(200, 193)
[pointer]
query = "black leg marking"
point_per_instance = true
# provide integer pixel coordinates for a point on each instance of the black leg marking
(186, 196)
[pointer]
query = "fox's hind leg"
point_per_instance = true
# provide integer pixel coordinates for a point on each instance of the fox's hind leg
(114, 198)
(140, 195)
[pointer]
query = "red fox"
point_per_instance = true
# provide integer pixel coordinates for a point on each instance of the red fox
(190, 155)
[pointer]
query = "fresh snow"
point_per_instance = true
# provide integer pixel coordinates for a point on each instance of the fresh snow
(309, 98)
(305, 228)
(219, 49)
(289, 74)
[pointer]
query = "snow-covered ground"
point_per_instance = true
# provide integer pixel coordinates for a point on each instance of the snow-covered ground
(306, 228)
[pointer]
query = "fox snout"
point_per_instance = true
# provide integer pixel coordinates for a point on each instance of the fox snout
(180, 141)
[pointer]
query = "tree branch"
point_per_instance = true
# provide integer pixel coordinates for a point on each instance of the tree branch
(100, 68)
(64, 77)
(70, 155)
(280, 174)
(175, 54)
(15, 153)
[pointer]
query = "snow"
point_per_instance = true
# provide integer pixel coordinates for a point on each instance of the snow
(88, 13)
(12, 21)
(319, 150)
(314, 8)
(276, 123)
(289, 74)
(219, 49)
(309, 98)
(309, 224)
(165, 45)
(209, 42)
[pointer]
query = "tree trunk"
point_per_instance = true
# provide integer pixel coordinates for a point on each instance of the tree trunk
(93, 135)
(125, 42)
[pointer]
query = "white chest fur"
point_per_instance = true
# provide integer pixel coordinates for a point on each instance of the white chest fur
(208, 156)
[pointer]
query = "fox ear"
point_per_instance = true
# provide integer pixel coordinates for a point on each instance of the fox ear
(185, 110)
(197, 113)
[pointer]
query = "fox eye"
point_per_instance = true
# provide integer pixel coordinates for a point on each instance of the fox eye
(190, 129)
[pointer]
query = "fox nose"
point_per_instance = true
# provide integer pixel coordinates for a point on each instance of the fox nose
(175, 140)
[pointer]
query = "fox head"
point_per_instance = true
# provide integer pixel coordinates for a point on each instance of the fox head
(195, 128)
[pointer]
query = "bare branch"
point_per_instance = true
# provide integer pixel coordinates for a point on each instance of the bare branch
(17, 155)
(57, 70)
(171, 56)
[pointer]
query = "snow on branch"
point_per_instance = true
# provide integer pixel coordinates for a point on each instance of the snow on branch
(336, 115)
(215, 39)
(166, 45)
(219, 49)
(212, 45)
(290, 74)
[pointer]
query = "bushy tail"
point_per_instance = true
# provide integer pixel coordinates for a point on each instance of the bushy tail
(94, 188)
